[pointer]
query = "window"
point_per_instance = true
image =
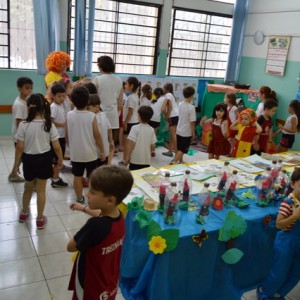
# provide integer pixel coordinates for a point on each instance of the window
(125, 31)
(225, 1)
(199, 44)
(17, 41)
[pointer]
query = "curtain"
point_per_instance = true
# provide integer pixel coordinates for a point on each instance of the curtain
(236, 41)
(47, 30)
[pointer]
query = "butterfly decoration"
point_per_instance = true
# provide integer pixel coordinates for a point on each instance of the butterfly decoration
(267, 220)
(198, 239)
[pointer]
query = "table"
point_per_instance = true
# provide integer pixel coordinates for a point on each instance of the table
(192, 272)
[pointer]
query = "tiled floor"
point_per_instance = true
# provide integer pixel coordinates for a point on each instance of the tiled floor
(34, 264)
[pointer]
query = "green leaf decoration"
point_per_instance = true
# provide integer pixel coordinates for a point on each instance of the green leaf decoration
(233, 226)
(232, 256)
(143, 218)
(135, 203)
(153, 229)
(171, 236)
(249, 194)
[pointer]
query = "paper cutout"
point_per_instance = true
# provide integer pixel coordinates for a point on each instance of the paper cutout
(157, 244)
(172, 237)
(143, 218)
(198, 239)
(232, 256)
(135, 203)
(218, 203)
(153, 229)
(249, 194)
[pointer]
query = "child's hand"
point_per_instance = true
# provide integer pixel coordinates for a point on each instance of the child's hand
(111, 147)
(60, 164)
(279, 125)
(77, 206)
(203, 119)
(124, 126)
(255, 146)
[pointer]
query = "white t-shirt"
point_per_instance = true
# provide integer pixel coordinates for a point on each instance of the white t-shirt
(157, 109)
(67, 105)
(109, 87)
(231, 113)
(187, 114)
(260, 109)
(144, 136)
(58, 115)
(80, 135)
(36, 139)
(288, 123)
(145, 101)
(174, 111)
(104, 126)
(131, 102)
(19, 111)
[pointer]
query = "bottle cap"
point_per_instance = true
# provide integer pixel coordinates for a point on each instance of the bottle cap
(206, 184)
(226, 163)
(234, 172)
(274, 162)
(268, 168)
(173, 184)
(167, 174)
(284, 171)
(280, 161)
(187, 172)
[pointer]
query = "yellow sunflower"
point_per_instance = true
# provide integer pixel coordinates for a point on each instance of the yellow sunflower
(157, 244)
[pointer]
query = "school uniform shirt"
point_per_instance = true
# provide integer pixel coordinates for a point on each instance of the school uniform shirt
(19, 111)
(187, 114)
(104, 126)
(80, 135)
(288, 124)
(96, 270)
(109, 87)
(260, 109)
(174, 111)
(145, 101)
(36, 139)
(131, 102)
(156, 106)
(58, 115)
(231, 114)
(144, 136)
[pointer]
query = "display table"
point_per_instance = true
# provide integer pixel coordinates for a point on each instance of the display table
(193, 272)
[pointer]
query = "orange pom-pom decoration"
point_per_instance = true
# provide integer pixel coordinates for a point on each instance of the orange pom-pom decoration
(55, 60)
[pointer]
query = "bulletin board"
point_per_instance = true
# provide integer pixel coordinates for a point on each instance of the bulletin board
(278, 49)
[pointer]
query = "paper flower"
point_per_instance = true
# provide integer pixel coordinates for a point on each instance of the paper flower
(135, 203)
(249, 194)
(143, 218)
(218, 203)
(157, 244)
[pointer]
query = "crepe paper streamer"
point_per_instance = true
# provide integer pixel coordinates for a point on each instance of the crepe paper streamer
(200, 219)
(191, 152)
(153, 229)
(143, 218)
(198, 239)
(157, 245)
(171, 236)
(233, 227)
(135, 203)
(232, 256)
(249, 194)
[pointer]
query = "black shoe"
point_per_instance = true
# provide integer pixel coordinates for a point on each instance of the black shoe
(59, 183)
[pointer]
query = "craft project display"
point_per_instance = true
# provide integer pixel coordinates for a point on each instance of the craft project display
(223, 176)
(264, 184)
(281, 186)
(163, 190)
(204, 201)
(171, 205)
(231, 186)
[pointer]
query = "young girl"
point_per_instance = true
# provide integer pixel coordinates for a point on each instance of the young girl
(264, 93)
(170, 110)
(146, 95)
(232, 115)
(219, 144)
(289, 129)
(33, 149)
(247, 127)
(285, 272)
(156, 105)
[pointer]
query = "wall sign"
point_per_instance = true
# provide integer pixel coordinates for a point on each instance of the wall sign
(277, 54)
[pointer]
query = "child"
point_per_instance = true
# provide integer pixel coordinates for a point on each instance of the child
(99, 242)
(104, 127)
(264, 93)
(285, 272)
(83, 135)
(58, 117)
(219, 144)
(140, 141)
(170, 110)
(186, 126)
(247, 129)
(146, 95)
(19, 113)
(156, 105)
(232, 115)
(33, 147)
(263, 142)
(121, 148)
(289, 129)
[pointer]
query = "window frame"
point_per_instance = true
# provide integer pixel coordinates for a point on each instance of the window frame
(8, 36)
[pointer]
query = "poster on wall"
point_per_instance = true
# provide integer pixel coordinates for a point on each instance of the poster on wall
(277, 54)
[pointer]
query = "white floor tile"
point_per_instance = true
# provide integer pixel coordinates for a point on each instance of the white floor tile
(9, 214)
(295, 293)
(74, 221)
(9, 201)
(63, 207)
(49, 210)
(13, 230)
(59, 288)
(61, 194)
(7, 189)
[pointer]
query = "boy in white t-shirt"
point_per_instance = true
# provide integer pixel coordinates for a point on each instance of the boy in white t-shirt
(19, 113)
(186, 125)
(83, 136)
(140, 141)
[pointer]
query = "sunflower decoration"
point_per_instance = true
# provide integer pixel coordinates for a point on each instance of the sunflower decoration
(157, 244)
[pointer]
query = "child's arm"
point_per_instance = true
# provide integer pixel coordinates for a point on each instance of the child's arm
(205, 121)
(18, 156)
(58, 151)
(98, 138)
(110, 140)
(258, 127)
(292, 130)
(234, 126)
(152, 147)
(58, 124)
(283, 221)
(128, 150)
(193, 129)
(270, 139)
(85, 209)
(71, 247)
(224, 128)
(128, 117)
(120, 99)
(166, 108)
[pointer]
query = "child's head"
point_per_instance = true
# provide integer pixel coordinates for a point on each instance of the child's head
(25, 86)
(68, 84)
(94, 103)
(294, 108)
(90, 87)
(266, 93)
(106, 64)
(58, 93)
(230, 99)
(132, 85)
(147, 91)
(220, 111)
(80, 97)
(158, 92)
(247, 117)
(188, 92)
(168, 88)
(112, 183)
(295, 181)
(270, 107)
(145, 113)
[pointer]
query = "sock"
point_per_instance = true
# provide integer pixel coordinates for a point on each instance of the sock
(55, 180)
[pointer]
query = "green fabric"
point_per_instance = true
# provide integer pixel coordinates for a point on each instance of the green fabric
(162, 132)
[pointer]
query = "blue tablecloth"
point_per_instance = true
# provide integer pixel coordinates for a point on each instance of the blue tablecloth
(192, 272)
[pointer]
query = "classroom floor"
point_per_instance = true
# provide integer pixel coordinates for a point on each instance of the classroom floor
(34, 264)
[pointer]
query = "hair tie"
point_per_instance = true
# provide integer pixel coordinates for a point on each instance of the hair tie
(32, 105)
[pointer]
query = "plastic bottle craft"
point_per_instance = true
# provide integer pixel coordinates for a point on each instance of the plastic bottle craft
(185, 189)
(231, 186)
(264, 184)
(281, 185)
(223, 177)
(171, 205)
(204, 201)
(163, 190)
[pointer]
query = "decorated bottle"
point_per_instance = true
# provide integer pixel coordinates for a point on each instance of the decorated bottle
(281, 184)
(264, 185)
(186, 186)
(289, 188)
(171, 204)
(223, 176)
(274, 173)
(163, 190)
(204, 200)
(231, 186)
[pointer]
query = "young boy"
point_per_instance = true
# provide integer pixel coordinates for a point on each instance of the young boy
(186, 125)
(96, 270)
(263, 141)
(140, 141)
(19, 113)
(285, 271)
(82, 135)
(58, 117)
(104, 127)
